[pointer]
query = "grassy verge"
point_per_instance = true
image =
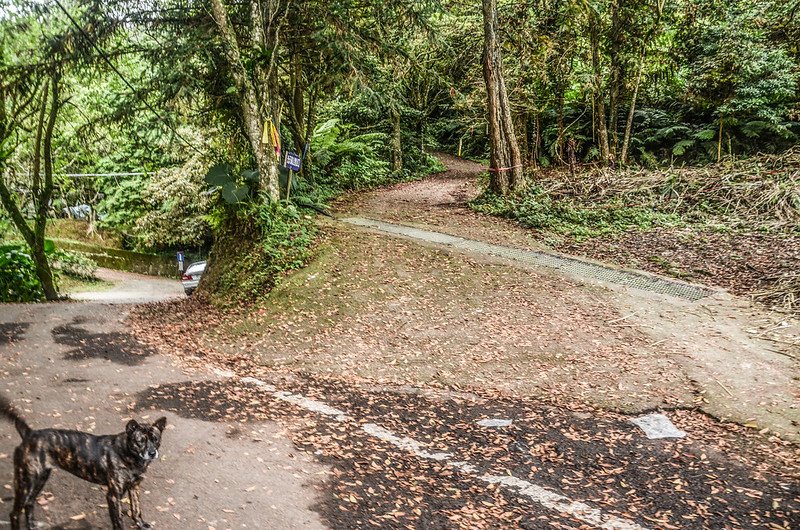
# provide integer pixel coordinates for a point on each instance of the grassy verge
(70, 285)
(76, 230)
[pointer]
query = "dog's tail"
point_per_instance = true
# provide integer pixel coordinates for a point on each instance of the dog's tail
(8, 412)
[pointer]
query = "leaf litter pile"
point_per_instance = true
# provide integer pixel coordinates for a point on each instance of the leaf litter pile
(721, 475)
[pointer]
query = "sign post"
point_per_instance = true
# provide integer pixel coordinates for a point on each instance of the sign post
(293, 162)
(180, 261)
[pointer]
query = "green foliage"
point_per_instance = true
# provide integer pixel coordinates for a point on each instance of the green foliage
(761, 193)
(6, 226)
(176, 202)
(235, 188)
(348, 162)
(285, 236)
(124, 204)
(536, 209)
(73, 264)
(18, 279)
(255, 245)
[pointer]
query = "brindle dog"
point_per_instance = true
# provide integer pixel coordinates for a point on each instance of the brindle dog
(117, 461)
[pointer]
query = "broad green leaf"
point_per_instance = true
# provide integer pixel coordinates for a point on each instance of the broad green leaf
(234, 194)
(219, 175)
(706, 134)
(680, 148)
(250, 174)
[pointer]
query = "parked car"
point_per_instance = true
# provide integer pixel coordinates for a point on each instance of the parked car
(191, 277)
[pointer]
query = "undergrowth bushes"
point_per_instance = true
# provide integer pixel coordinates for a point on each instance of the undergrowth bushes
(761, 193)
(254, 245)
(345, 161)
(73, 264)
(537, 209)
(18, 279)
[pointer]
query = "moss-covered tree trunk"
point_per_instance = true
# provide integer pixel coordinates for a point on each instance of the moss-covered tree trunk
(397, 141)
(598, 96)
(255, 106)
(41, 188)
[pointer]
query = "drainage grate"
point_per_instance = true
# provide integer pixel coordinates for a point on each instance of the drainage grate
(573, 266)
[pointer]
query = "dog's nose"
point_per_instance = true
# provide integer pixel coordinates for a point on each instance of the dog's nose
(153, 454)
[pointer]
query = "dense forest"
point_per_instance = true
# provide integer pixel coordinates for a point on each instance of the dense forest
(169, 123)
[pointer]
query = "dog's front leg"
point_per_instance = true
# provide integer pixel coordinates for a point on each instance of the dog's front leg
(136, 508)
(115, 507)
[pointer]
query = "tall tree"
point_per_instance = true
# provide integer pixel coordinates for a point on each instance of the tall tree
(507, 174)
(42, 188)
(32, 67)
(256, 87)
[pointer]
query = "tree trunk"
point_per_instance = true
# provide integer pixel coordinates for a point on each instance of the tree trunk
(42, 190)
(616, 82)
(42, 265)
(397, 141)
(613, 110)
(253, 118)
(537, 139)
(561, 127)
(629, 123)
(597, 93)
(506, 172)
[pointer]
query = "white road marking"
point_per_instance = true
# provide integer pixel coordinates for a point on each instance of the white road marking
(495, 422)
(405, 443)
(657, 426)
(538, 494)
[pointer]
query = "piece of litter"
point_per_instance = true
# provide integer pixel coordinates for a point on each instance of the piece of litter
(658, 426)
(496, 422)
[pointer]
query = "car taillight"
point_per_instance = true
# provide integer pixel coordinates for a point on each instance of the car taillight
(186, 278)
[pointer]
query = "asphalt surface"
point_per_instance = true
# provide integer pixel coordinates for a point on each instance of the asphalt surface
(73, 365)
(246, 448)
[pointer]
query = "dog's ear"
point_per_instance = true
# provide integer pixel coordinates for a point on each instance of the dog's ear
(131, 426)
(160, 424)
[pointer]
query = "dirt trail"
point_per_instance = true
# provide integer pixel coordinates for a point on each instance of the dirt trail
(439, 202)
(723, 354)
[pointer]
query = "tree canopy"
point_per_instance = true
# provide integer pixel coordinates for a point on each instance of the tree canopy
(205, 98)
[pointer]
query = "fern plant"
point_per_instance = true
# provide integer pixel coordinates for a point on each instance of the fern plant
(348, 162)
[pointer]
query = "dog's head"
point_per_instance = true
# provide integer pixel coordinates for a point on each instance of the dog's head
(143, 439)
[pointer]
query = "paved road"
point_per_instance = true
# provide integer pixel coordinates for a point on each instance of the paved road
(73, 365)
(130, 288)
(249, 449)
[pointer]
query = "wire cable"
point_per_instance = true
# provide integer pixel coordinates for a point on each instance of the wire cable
(116, 71)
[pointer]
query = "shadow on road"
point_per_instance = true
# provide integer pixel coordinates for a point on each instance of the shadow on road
(115, 346)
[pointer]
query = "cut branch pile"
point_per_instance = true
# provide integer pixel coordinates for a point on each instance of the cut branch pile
(783, 291)
(758, 193)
